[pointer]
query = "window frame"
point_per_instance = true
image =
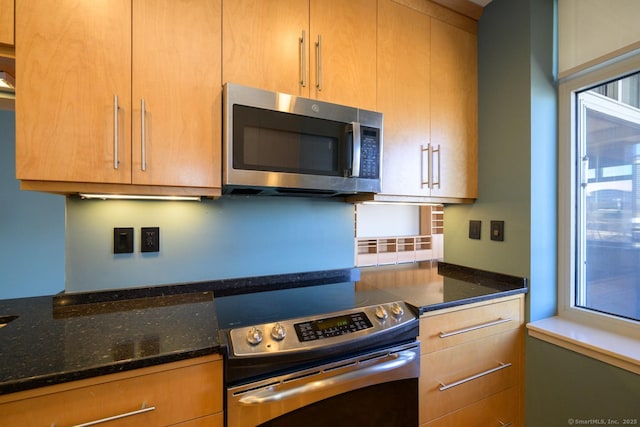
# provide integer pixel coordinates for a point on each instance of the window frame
(568, 160)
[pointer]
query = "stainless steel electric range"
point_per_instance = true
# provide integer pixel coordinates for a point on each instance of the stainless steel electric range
(320, 355)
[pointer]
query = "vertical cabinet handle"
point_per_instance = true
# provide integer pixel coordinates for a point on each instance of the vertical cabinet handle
(319, 63)
(436, 169)
(143, 139)
(303, 59)
(431, 171)
(116, 160)
(425, 166)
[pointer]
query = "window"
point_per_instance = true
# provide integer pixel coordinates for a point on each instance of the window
(600, 195)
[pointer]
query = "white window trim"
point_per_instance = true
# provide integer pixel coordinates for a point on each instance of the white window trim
(607, 338)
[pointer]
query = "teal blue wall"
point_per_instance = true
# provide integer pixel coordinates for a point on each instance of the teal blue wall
(517, 183)
(31, 229)
(213, 239)
(564, 386)
(517, 133)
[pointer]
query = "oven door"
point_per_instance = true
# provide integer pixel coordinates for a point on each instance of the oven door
(378, 388)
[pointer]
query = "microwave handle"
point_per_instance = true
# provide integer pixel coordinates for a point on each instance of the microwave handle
(356, 148)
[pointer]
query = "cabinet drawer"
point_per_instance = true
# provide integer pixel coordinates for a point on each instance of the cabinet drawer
(216, 420)
(459, 376)
(457, 327)
(178, 392)
(498, 410)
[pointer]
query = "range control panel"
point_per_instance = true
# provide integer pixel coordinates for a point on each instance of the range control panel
(332, 326)
(318, 331)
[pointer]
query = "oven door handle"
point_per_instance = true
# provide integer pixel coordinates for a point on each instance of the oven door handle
(376, 366)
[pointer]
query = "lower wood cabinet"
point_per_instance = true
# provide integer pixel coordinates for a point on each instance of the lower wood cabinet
(186, 393)
(472, 365)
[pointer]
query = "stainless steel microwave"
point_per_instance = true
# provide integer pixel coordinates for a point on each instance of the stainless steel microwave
(279, 144)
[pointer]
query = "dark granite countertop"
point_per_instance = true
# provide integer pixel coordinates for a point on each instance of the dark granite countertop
(49, 343)
(70, 336)
(435, 286)
(66, 337)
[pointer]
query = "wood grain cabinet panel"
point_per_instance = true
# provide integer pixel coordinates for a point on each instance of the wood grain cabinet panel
(187, 392)
(177, 73)
(498, 410)
(6, 22)
(403, 96)
(460, 326)
(85, 69)
(454, 111)
(490, 365)
(72, 60)
(273, 46)
(427, 90)
(472, 364)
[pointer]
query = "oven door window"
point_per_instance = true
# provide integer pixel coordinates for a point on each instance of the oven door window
(390, 404)
(274, 141)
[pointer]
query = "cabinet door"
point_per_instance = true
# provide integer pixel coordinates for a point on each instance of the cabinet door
(454, 121)
(156, 396)
(403, 97)
(342, 39)
(6, 22)
(74, 59)
(261, 44)
(176, 73)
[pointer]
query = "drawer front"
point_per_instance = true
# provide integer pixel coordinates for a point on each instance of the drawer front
(216, 420)
(498, 410)
(456, 377)
(457, 327)
(176, 395)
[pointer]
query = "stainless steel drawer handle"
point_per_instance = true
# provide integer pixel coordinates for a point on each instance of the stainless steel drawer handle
(474, 328)
(143, 410)
(474, 377)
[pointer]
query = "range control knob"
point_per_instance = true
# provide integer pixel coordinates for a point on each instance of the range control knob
(381, 313)
(254, 336)
(397, 310)
(278, 332)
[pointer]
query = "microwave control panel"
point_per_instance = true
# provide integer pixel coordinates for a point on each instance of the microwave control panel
(370, 154)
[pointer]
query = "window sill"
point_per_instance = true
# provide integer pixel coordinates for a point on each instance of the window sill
(608, 347)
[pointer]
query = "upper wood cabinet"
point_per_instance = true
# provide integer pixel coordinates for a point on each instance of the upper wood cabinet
(454, 111)
(86, 69)
(427, 90)
(6, 22)
(323, 49)
(403, 96)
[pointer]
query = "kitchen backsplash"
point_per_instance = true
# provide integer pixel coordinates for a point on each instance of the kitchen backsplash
(31, 229)
(199, 241)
